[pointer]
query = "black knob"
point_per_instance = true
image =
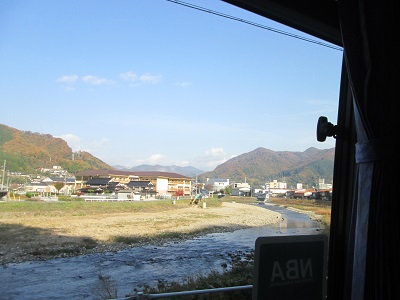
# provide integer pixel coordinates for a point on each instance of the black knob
(325, 129)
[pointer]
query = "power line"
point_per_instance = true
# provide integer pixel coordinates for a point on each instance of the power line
(255, 24)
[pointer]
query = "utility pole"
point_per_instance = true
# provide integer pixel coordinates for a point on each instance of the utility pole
(2, 177)
(65, 183)
(8, 180)
(197, 187)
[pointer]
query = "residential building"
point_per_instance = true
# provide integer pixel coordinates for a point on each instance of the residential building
(241, 189)
(128, 195)
(322, 185)
(100, 185)
(163, 183)
(277, 188)
(40, 187)
(69, 183)
(216, 184)
(144, 188)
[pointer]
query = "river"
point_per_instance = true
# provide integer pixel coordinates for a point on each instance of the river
(74, 278)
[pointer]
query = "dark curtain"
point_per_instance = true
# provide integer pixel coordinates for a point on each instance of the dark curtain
(370, 36)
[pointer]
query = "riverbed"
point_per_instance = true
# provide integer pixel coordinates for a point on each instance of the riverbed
(76, 277)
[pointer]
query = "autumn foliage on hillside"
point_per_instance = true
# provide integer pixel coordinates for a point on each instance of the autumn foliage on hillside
(26, 151)
(263, 165)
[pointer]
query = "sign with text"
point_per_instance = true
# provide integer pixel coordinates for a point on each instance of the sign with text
(290, 267)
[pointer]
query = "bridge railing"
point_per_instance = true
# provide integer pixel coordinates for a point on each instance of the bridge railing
(142, 296)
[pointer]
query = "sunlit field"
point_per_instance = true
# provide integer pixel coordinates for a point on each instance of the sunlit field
(319, 207)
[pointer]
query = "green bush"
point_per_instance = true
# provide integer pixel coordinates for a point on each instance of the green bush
(69, 198)
(31, 194)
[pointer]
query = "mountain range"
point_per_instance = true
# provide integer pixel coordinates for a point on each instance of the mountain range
(26, 151)
(264, 165)
(187, 171)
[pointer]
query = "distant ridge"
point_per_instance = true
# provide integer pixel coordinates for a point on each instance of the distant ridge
(186, 171)
(262, 165)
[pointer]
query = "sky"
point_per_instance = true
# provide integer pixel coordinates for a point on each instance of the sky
(155, 82)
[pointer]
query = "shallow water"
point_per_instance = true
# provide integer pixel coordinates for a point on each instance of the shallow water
(74, 278)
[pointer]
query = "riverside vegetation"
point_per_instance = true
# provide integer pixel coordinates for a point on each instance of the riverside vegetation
(27, 241)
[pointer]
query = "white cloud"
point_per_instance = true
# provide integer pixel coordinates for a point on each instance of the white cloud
(183, 83)
(90, 79)
(99, 143)
(139, 162)
(147, 78)
(212, 158)
(155, 159)
(136, 80)
(72, 140)
(76, 143)
(215, 152)
(184, 163)
(151, 160)
(68, 79)
(128, 76)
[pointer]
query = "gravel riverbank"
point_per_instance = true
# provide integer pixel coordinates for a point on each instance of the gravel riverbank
(43, 238)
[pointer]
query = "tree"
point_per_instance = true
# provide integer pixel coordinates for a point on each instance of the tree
(228, 190)
(178, 193)
(209, 187)
(59, 185)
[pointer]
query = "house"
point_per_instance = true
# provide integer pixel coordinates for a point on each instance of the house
(322, 185)
(144, 188)
(123, 177)
(165, 184)
(40, 187)
(303, 193)
(216, 184)
(277, 188)
(241, 189)
(128, 195)
(100, 185)
(323, 194)
(69, 183)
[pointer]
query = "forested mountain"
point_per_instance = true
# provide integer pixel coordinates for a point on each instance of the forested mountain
(263, 165)
(186, 171)
(25, 151)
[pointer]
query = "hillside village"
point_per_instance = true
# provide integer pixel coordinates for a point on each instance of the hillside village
(116, 185)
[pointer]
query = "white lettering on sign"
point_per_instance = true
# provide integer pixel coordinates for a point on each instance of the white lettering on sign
(294, 269)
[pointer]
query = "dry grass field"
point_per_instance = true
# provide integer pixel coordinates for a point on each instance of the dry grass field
(42, 230)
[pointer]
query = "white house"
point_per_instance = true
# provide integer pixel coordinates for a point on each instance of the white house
(241, 189)
(128, 195)
(217, 184)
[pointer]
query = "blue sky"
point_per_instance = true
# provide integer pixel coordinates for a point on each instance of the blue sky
(154, 82)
